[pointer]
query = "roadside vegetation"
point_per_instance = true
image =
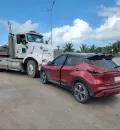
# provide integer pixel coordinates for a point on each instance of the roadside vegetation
(113, 48)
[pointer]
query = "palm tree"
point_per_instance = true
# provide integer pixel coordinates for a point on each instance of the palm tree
(116, 47)
(68, 47)
(92, 48)
(98, 50)
(84, 48)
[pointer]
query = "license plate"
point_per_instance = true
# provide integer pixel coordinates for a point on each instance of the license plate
(117, 79)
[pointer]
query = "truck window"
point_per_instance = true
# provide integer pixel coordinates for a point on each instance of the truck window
(73, 61)
(20, 38)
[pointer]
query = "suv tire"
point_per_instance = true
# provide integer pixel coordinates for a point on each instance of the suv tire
(43, 77)
(81, 93)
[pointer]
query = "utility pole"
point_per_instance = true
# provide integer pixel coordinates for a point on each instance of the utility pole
(51, 18)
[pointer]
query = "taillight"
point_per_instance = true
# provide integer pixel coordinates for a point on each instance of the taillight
(93, 72)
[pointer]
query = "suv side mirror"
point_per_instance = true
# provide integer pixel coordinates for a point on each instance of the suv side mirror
(18, 39)
(50, 63)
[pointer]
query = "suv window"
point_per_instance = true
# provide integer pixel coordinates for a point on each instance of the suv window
(103, 63)
(73, 61)
(60, 60)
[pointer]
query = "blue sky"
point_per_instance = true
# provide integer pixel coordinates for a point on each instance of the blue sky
(64, 13)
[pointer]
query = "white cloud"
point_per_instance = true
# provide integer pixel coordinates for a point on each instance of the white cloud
(110, 29)
(80, 30)
(109, 11)
(17, 27)
(77, 33)
(117, 2)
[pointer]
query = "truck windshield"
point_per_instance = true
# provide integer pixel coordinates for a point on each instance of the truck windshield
(35, 38)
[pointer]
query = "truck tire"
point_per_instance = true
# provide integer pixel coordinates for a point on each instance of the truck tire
(81, 93)
(32, 69)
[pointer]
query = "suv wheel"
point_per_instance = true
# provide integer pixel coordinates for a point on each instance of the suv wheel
(43, 77)
(81, 93)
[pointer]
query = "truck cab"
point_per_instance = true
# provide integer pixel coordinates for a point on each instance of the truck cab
(28, 43)
(26, 52)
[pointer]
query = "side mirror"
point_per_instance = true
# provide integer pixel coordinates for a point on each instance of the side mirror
(18, 39)
(46, 42)
(24, 42)
(50, 63)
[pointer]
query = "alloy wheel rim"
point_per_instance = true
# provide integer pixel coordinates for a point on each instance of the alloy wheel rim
(43, 77)
(80, 92)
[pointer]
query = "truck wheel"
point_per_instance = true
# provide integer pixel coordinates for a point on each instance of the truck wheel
(43, 77)
(32, 69)
(81, 93)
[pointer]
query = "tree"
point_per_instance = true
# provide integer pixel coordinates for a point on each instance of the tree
(113, 48)
(98, 50)
(92, 48)
(84, 48)
(68, 47)
(107, 50)
(116, 47)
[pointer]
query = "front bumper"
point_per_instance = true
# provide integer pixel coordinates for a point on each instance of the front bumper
(108, 92)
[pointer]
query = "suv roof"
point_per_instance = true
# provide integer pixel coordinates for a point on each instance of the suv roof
(89, 55)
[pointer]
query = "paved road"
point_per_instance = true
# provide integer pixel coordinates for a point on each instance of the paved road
(26, 103)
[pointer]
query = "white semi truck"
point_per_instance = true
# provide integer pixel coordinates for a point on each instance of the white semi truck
(25, 52)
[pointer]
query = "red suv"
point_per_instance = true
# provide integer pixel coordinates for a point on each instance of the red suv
(87, 75)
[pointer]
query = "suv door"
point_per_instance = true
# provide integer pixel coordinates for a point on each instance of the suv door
(53, 71)
(69, 70)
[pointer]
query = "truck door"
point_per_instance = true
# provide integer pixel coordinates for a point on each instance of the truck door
(54, 70)
(20, 49)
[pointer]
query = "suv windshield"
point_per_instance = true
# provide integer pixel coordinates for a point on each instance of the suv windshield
(104, 63)
(35, 38)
